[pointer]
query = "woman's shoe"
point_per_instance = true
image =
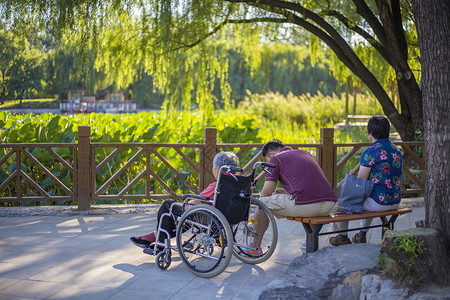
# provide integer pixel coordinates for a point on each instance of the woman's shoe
(139, 242)
(357, 239)
(336, 241)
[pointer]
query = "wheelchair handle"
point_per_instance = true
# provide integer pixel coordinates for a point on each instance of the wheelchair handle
(232, 168)
(266, 164)
(263, 165)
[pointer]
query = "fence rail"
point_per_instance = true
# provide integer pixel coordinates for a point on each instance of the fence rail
(17, 172)
(86, 171)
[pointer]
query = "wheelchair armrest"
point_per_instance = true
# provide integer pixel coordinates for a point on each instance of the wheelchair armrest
(194, 196)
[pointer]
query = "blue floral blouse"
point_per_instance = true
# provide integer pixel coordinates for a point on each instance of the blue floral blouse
(386, 163)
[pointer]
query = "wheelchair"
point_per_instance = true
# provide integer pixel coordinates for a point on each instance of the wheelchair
(208, 234)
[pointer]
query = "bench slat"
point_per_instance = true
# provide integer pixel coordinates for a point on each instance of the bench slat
(351, 217)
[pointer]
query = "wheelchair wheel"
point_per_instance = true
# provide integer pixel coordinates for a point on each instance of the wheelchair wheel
(164, 259)
(244, 233)
(204, 240)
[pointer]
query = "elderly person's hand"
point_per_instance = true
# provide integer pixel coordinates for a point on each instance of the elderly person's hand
(280, 191)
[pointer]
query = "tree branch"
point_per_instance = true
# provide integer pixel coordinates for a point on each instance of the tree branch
(352, 26)
(187, 46)
(337, 49)
(395, 35)
(364, 11)
(257, 20)
(398, 27)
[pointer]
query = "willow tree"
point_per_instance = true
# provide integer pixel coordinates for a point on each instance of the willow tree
(181, 43)
(11, 48)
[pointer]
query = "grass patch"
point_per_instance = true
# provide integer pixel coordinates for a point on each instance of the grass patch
(31, 103)
(403, 269)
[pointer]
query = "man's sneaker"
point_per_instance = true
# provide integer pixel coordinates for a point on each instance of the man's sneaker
(139, 242)
(303, 246)
(336, 241)
(357, 239)
(253, 251)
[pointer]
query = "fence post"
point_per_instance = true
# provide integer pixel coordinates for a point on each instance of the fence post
(328, 155)
(84, 168)
(206, 157)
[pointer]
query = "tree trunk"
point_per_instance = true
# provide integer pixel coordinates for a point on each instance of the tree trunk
(347, 91)
(3, 87)
(432, 20)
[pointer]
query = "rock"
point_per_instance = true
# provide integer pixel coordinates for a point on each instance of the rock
(431, 292)
(344, 272)
(316, 275)
(350, 288)
(376, 287)
(433, 255)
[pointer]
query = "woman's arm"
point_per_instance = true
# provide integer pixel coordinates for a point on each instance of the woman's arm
(364, 172)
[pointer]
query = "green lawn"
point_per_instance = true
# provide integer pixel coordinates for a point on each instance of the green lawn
(31, 103)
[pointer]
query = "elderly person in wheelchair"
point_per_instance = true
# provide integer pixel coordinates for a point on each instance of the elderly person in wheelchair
(211, 227)
(169, 224)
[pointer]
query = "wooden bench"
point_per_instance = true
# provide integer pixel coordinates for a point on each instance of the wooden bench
(312, 234)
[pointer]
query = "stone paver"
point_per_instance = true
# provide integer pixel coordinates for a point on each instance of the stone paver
(90, 257)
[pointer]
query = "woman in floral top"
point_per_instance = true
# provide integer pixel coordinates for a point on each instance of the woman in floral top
(382, 164)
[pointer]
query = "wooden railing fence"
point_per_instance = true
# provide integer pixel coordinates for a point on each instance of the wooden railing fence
(87, 171)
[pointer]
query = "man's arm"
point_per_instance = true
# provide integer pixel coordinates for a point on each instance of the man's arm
(268, 188)
(364, 172)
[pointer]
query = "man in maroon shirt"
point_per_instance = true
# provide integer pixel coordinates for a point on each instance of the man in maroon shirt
(305, 193)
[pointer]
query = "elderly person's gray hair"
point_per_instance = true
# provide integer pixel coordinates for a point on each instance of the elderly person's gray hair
(225, 158)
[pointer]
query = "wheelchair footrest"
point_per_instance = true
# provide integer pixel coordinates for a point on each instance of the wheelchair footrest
(150, 250)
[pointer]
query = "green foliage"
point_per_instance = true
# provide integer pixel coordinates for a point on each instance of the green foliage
(25, 79)
(21, 66)
(12, 48)
(409, 245)
(284, 68)
(143, 93)
(406, 273)
(306, 109)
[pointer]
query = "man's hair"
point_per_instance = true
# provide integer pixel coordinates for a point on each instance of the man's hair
(379, 127)
(273, 145)
(225, 158)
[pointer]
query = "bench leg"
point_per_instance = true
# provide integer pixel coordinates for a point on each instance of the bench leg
(312, 237)
(388, 225)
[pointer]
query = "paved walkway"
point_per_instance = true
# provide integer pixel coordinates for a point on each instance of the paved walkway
(90, 257)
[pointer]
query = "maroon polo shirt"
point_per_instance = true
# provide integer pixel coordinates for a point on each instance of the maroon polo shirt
(301, 176)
